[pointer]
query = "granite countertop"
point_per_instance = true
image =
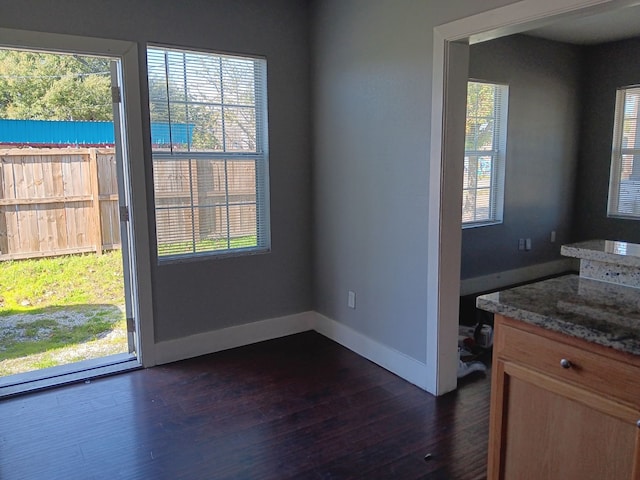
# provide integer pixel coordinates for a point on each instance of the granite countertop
(608, 251)
(599, 312)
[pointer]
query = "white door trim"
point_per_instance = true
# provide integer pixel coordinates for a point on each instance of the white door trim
(444, 231)
(127, 52)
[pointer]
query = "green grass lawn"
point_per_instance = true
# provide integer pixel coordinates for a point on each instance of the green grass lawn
(56, 281)
(207, 245)
(59, 310)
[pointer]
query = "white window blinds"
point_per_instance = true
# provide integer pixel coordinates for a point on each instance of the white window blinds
(210, 163)
(624, 184)
(484, 158)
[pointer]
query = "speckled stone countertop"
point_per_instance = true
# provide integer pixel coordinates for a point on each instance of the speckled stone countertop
(608, 251)
(599, 312)
(607, 261)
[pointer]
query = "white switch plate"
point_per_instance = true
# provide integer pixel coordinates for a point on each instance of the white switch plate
(351, 301)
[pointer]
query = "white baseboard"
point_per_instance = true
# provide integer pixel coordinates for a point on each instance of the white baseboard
(495, 281)
(396, 362)
(231, 337)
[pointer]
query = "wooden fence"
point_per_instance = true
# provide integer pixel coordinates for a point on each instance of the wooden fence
(57, 201)
(225, 193)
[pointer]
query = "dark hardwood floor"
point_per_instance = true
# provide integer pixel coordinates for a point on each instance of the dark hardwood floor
(300, 407)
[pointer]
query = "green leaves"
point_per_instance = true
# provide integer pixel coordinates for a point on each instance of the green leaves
(46, 86)
(480, 116)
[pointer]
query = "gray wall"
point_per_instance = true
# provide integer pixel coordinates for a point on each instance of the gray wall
(607, 67)
(207, 295)
(371, 119)
(541, 160)
(371, 112)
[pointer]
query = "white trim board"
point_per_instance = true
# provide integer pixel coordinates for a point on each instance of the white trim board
(396, 362)
(388, 358)
(495, 281)
(232, 337)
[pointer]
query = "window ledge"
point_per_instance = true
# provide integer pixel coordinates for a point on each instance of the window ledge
(206, 256)
(620, 216)
(481, 224)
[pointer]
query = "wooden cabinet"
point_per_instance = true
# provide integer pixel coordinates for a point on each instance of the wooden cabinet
(561, 408)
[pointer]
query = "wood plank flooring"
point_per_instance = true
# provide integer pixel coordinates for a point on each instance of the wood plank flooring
(300, 407)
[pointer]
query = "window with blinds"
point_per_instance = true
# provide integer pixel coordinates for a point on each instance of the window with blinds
(624, 184)
(210, 163)
(484, 156)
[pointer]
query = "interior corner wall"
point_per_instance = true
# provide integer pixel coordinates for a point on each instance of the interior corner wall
(208, 295)
(607, 67)
(371, 84)
(544, 79)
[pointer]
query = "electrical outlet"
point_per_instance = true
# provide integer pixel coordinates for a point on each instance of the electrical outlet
(351, 301)
(527, 244)
(521, 244)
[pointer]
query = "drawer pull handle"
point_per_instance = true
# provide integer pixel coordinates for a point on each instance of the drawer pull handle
(564, 363)
(638, 423)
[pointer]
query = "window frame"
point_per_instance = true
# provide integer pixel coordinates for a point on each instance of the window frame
(617, 154)
(260, 157)
(498, 157)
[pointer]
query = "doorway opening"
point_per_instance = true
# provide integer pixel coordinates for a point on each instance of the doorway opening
(66, 307)
(450, 74)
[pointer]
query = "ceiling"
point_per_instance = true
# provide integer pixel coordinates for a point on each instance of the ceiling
(591, 30)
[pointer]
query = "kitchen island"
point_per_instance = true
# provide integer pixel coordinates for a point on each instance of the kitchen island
(566, 372)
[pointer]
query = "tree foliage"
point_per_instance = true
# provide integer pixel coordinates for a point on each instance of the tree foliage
(480, 116)
(46, 86)
(213, 96)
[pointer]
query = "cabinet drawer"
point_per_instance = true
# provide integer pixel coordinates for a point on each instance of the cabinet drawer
(593, 371)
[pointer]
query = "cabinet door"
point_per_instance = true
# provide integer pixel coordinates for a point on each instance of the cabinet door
(546, 429)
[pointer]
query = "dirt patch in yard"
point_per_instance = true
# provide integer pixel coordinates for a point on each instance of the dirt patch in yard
(57, 336)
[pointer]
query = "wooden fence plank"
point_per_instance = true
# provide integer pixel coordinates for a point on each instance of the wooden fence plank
(67, 191)
(40, 211)
(49, 210)
(108, 187)
(3, 220)
(11, 218)
(86, 222)
(110, 226)
(23, 188)
(62, 240)
(94, 223)
(75, 210)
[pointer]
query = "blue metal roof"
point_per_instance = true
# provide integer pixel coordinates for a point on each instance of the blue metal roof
(64, 132)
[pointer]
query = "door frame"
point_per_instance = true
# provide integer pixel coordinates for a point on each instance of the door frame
(132, 143)
(450, 60)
